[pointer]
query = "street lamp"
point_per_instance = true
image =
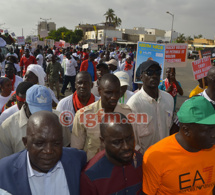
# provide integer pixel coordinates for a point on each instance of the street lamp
(172, 24)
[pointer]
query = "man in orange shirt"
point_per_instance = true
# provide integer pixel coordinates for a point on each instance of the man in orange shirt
(184, 163)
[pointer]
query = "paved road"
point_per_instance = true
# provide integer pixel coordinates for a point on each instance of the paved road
(186, 78)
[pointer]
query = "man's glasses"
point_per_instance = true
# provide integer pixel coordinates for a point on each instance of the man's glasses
(152, 72)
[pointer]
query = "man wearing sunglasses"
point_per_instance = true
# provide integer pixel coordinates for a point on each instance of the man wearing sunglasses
(157, 104)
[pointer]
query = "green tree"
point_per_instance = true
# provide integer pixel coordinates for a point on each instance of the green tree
(67, 35)
(109, 15)
(28, 39)
(198, 37)
(117, 21)
(181, 38)
(189, 39)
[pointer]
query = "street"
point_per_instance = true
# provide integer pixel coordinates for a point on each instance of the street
(185, 77)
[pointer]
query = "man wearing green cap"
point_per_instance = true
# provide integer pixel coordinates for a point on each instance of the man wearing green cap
(184, 163)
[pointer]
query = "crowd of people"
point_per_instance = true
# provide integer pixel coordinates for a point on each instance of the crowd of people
(109, 135)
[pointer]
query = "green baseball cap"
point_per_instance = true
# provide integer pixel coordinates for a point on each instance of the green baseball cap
(197, 110)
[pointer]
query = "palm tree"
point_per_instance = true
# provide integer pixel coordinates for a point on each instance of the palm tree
(198, 37)
(117, 21)
(181, 38)
(109, 15)
(189, 39)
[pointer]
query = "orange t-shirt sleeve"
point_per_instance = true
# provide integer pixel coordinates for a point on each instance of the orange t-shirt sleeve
(151, 176)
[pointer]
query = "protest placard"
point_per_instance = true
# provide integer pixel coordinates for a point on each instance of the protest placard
(57, 44)
(148, 51)
(34, 39)
(34, 44)
(21, 40)
(208, 52)
(175, 55)
(43, 33)
(66, 45)
(62, 43)
(201, 67)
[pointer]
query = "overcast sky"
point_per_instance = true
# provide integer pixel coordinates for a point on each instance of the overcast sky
(191, 17)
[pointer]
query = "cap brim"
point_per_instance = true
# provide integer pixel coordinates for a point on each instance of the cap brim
(123, 83)
(34, 109)
(210, 120)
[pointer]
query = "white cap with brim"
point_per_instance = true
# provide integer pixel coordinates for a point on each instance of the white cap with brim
(38, 98)
(113, 62)
(123, 78)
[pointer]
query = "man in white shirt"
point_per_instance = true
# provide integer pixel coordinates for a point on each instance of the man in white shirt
(70, 73)
(39, 58)
(157, 104)
(81, 98)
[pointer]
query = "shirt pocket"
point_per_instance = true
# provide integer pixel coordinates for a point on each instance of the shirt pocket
(144, 130)
(168, 116)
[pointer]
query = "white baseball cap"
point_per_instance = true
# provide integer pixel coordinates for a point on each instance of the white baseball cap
(123, 78)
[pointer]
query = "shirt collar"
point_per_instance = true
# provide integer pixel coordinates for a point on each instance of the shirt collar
(23, 118)
(32, 172)
(149, 98)
(205, 95)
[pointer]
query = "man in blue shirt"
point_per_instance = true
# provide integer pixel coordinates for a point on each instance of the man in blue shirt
(44, 167)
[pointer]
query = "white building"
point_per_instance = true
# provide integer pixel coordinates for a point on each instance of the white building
(134, 31)
(168, 36)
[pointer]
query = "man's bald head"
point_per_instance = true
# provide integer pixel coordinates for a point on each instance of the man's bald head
(42, 118)
(44, 140)
(211, 77)
(111, 78)
(84, 74)
(113, 119)
(211, 72)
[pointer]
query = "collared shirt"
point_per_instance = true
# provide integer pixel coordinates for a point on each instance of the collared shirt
(205, 95)
(159, 118)
(53, 182)
(86, 132)
(66, 104)
(14, 128)
(94, 90)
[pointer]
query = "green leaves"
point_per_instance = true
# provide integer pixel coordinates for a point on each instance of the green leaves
(67, 35)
